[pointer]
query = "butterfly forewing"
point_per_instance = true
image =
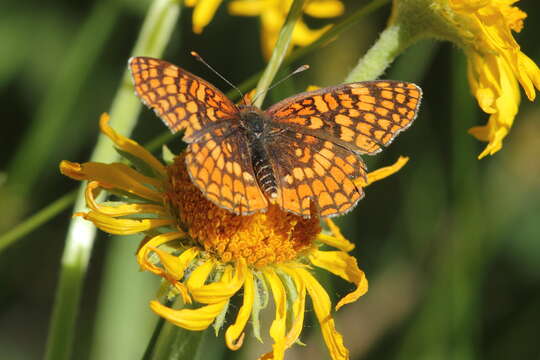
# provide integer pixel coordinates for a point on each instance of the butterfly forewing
(363, 117)
(182, 100)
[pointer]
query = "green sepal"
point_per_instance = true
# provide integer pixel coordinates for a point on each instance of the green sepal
(139, 164)
(220, 319)
(167, 155)
(260, 301)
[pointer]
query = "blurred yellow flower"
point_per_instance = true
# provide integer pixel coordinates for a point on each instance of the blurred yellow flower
(496, 65)
(203, 12)
(272, 14)
(207, 254)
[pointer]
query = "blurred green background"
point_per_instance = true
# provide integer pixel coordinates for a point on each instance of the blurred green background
(451, 245)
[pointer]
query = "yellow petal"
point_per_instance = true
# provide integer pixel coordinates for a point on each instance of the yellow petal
(122, 209)
(203, 14)
(321, 305)
(495, 74)
(114, 176)
(246, 7)
(303, 36)
(199, 276)
(234, 336)
(483, 76)
(324, 8)
(495, 138)
(156, 241)
(190, 319)
(132, 147)
(175, 265)
(336, 240)
(383, 172)
(223, 289)
(299, 306)
(278, 327)
(298, 311)
(124, 226)
(271, 22)
(495, 22)
(345, 266)
(529, 69)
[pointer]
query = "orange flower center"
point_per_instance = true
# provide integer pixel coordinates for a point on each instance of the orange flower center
(261, 239)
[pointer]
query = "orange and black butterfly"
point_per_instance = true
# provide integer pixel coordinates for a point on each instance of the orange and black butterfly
(303, 150)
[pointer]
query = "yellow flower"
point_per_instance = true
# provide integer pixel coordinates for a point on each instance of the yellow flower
(207, 255)
(272, 14)
(496, 65)
(203, 12)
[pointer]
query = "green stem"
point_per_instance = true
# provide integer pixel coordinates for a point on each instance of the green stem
(173, 342)
(458, 268)
(123, 294)
(392, 41)
(62, 203)
(46, 214)
(468, 249)
(53, 114)
(280, 50)
(153, 339)
(154, 35)
(336, 30)
(38, 219)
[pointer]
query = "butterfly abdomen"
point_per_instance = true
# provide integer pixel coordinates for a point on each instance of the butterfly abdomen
(263, 168)
(254, 121)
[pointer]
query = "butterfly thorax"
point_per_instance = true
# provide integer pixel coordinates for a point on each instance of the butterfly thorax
(255, 123)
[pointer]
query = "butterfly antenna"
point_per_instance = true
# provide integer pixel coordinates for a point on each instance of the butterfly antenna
(299, 70)
(199, 58)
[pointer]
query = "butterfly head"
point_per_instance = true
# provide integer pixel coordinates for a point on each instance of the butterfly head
(253, 119)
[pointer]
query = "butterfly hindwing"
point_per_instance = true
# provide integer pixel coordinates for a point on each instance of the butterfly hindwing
(220, 166)
(309, 169)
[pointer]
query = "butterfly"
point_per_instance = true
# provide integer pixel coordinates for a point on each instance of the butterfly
(301, 153)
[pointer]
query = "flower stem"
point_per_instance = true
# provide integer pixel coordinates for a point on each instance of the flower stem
(174, 342)
(458, 273)
(336, 30)
(390, 44)
(154, 35)
(280, 50)
(37, 149)
(153, 339)
(38, 219)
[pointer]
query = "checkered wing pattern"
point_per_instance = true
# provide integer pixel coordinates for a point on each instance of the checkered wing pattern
(363, 117)
(321, 134)
(220, 166)
(310, 170)
(182, 100)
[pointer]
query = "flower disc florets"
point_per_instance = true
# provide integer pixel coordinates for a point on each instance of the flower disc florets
(272, 237)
